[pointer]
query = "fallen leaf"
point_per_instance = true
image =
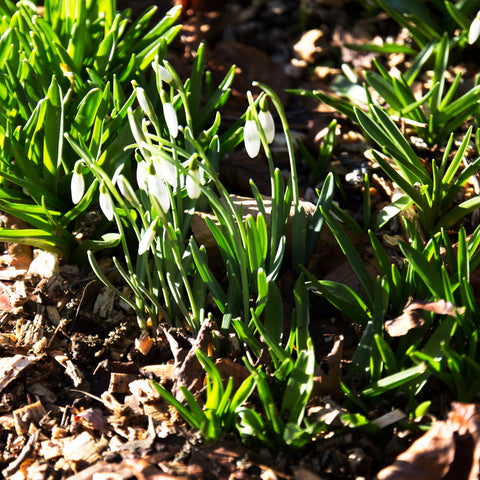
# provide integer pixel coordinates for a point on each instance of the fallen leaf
(449, 450)
(188, 370)
(143, 470)
(228, 369)
(329, 383)
(412, 316)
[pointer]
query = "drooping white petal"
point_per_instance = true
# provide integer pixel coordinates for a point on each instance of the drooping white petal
(474, 31)
(141, 166)
(268, 125)
(158, 189)
(162, 72)
(147, 238)
(77, 186)
(106, 203)
(171, 119)
(251, 138)
(167, 169)
(192, 183)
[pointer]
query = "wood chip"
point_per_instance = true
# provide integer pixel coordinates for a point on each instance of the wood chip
(27, 415)
(104, 471)
(144, 391)
(44, 265)
(103, 306)
(389, 418)
(119, 382)
(53, 315)
(10, 367)
(70, 368)
(164, 371)
(82, 447)
(144, 344)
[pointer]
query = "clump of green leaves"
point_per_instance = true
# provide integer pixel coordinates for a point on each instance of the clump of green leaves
(440, 112)
(428, 22)
(434, 194)
(66, 70)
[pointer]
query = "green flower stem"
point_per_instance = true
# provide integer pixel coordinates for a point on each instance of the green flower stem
(286, 130)
(235, 227)
(181, 91)
(193, 322)
(101, 175)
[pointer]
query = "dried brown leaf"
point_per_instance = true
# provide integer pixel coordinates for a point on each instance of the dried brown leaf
(228, 369)
(412, 316)
(329, 383)
(449, 450)
(188, 370)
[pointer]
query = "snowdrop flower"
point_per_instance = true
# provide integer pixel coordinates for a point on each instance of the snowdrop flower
(147, 238)
(192, 183)
(78, 183)
(161, 71)
(474, 31)
(106, 203)
(168, 169)
(251, 137)
(266, 121)
(171, 118)
(141, 169)
(157, 187)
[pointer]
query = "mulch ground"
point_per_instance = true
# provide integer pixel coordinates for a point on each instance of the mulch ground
(75, 395)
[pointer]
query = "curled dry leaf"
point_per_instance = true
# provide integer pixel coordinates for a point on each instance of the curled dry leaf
(449, 450)
(188, 370)
(412, 316)
(229, 369)
(329, 383)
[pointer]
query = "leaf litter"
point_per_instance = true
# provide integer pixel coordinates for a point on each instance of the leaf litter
(75, 396)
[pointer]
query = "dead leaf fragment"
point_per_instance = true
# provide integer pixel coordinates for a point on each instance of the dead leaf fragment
(188, 370)
(329, 383)
(449, 450)
(311, 46)
(412, 316)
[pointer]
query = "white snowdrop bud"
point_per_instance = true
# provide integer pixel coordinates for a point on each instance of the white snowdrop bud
(161, 71)
(192, 183)
(106, 203)
(78, 183)
(251, 138)
(474, 31)
(268, 125)
(157, 188)
(147, 238)
(171, 118)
